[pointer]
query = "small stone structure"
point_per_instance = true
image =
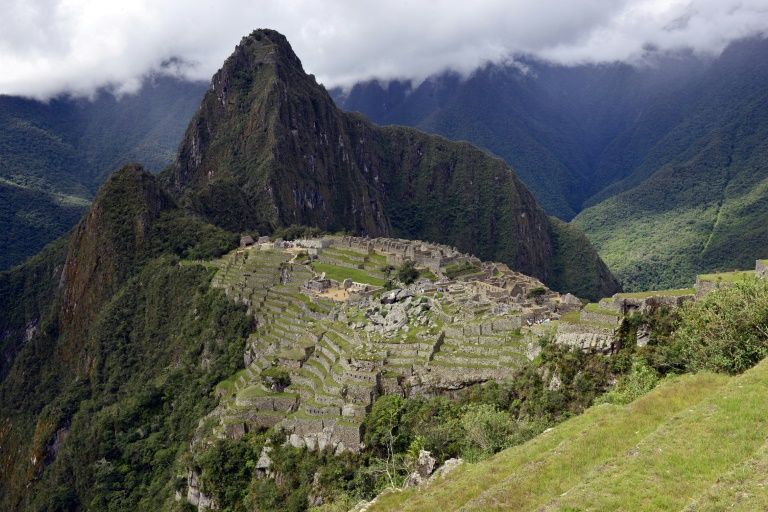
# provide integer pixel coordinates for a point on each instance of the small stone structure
(761, 269)
(397, 250)
(246, 241)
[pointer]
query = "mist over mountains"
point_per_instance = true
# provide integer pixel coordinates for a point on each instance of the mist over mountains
(644, 152)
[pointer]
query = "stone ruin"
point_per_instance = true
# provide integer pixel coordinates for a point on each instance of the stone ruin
(398, 251)
(430, 337)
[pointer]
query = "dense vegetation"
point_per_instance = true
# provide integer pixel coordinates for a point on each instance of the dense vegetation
(107, 397)
(670, 157)
(54, 155)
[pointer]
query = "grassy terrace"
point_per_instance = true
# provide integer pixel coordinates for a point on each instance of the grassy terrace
(596, 308)
(340, 273)
(257, 391)
(728, 277)
(696, 442)
(530, 476)
(658, 293)
(227, 386)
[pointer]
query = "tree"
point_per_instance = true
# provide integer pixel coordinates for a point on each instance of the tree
(407, 272)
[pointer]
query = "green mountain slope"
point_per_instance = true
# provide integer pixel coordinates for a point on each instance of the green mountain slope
(568, 132)
(698, 201)
(104, 334)
(53, 156)
(268, 148)
(671, 155)
(668, 450)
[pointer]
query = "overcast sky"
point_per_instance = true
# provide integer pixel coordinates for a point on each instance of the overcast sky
(48, 47)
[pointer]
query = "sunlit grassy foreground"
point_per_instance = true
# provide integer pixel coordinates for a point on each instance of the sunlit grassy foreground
(696, 442)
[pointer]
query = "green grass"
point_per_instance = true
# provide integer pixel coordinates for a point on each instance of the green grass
(696, 441)
(340, 273)
(596, 308)
(257, 391)
(428, 274)
(228, 384)
(573, 317)
(658, 293)
(728, 277)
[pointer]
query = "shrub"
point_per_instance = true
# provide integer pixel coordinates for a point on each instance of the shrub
(640, 380)
(407, 272)
(726, 330)
(276, 378)
(487, 430)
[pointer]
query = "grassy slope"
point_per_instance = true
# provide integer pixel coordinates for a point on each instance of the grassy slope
(695, 439)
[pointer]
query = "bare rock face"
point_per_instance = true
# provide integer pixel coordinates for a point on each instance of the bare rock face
(447, 467)
(195, 496)
(425, 465)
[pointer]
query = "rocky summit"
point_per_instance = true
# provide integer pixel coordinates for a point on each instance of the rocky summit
(269, 148)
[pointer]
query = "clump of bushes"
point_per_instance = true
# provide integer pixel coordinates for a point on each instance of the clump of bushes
(726, 330)
(276, 378)
(407, 272)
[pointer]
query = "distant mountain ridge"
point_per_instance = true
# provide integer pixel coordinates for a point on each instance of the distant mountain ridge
(643, 155)
(269, 148)
(54, 155)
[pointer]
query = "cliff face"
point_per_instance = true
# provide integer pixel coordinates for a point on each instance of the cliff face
(105, 247)
(269, 148)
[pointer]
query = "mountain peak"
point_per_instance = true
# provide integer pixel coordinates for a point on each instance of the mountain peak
(262, 47)
(269, 148)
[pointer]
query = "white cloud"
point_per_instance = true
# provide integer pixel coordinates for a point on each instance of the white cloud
(52, 46)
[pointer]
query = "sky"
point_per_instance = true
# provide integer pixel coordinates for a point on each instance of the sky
(53, 47)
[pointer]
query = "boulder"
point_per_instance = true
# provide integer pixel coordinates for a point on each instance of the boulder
(390, 297)
(425, 465)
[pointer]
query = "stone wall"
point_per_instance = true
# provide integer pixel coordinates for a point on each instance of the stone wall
(703, 287)
(626, 305)
(761, 269)
(601, 318)
(586, 337)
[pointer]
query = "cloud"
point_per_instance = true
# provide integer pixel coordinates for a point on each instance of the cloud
(49, 47)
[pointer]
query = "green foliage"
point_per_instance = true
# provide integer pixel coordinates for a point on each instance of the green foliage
(147, 389)
(189, 237)
(640, 380)
(55, 154)
(275, 378)
(407, 272)
(461, 268)
(295, 231)
(226, 469)
(31, 219)
(571, 250)
(727, 329)
(486, 428)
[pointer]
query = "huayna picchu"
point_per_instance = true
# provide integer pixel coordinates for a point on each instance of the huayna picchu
(269, 148)
(307, 311)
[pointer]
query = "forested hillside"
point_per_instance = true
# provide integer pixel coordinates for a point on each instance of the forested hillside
(55, 155)
(683, 137)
